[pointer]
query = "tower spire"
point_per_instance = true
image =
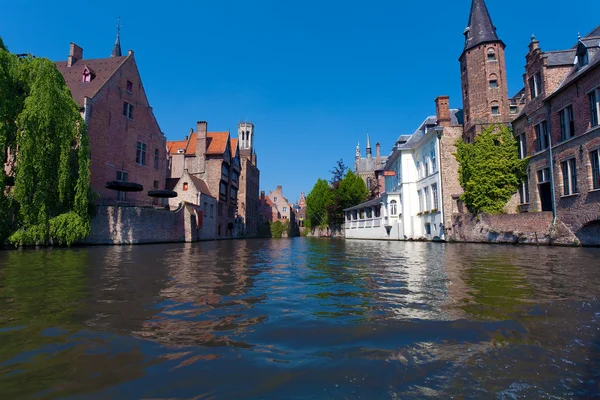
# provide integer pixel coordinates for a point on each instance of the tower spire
(369, 153)
(480, 29)
(116, 52)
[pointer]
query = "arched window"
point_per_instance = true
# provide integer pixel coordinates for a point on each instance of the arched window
(393, 207)
(495, 108)
(493, 81)
(491, 54)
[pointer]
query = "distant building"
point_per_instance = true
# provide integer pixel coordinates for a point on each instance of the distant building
(214, 158)
(126, 142)
(369, 168)
(249, 179)
(276, 207)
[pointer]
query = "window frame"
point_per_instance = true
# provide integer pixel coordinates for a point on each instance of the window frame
(569, 175)
(595, 163)
(393, 207)
(594, 107)
(140, 153)
(128, 110)
(567, 127)
(522, 145)
(156, 158)
(541, 132)
(129, 86)
(524, 191)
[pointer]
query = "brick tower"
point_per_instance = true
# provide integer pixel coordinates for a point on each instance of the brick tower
(483, 74)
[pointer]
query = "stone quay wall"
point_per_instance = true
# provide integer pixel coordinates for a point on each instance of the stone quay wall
(526, 228)
(137, 225)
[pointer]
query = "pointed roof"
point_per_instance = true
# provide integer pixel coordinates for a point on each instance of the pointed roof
(480, 29)
(368, 141)
(116, 52)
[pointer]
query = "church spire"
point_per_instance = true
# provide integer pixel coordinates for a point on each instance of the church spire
(480, 29)
(369, 153)
(116, 52)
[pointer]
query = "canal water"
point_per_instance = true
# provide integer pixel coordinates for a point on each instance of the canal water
(300, 319)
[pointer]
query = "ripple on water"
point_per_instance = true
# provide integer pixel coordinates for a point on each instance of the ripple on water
(300, 318)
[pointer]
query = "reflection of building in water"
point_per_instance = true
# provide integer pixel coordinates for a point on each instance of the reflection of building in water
(204, 297)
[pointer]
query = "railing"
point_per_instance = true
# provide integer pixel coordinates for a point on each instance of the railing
(127, 203)
(363, 223)
(376, 222)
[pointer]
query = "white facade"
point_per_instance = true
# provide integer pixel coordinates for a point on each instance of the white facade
(411, 207)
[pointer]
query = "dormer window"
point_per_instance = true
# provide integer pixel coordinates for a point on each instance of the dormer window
(583, 57)
(87, 75)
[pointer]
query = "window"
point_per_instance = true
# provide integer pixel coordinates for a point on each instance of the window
(223, 190)
(524, 191)
(86, 76)
(155, 185)
(544, 175)
(541, 136)
(491, 54)
(493, 83)
(275, 199)
(426, 193)
(583, 59)
(514, 109)
(156, 158)
(236, 162)
(569, 172)
(432, 156)
(434, 192)
(419, 169)
(225, 171)
(425, 167)
(129, 86)
(495, 110)
(185, 186)
(420, 195)
(233, 192)
(128, 110)
(522, 145)
(235, 176)
(428, 229)
(205, 208)
(567, 125)
(393, 207)
(140, 153)
(595, 158)
(535, 85)
(284, 209)
(212, 210)
(122, 176)
(594, 107)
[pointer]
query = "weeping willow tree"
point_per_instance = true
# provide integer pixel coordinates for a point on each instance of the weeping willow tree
(45, 149)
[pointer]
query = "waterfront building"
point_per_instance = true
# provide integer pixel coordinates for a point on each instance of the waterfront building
(369, 168)
(559, 130)
(212, 157)
(191, 189)
(421, 178)
(249, 179)
(276, 207)
(126, 143)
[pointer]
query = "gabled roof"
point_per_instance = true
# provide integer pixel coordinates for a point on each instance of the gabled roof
(174, 146)
(480, 28)
(216, 142)
(198, 183)
(560, 58)
(233, 144)
(103, 68)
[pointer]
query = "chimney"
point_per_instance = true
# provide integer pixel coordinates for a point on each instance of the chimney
(201, 127)
(75, 54)
(378, 155)
(442, 110)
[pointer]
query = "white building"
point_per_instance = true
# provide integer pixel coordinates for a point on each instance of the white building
(411, 207)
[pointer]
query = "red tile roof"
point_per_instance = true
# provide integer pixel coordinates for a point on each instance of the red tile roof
(103, 68)
(174, 146)
(216, 142)
(233, 145)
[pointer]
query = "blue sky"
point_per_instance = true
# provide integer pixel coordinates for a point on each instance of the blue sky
(313, 76)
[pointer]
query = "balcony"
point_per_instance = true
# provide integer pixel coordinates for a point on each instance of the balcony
(366, 223)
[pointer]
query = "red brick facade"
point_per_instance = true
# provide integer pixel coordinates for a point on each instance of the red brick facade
(123, 147)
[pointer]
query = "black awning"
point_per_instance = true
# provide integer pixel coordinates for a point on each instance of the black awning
(124, 186)
(162, 193)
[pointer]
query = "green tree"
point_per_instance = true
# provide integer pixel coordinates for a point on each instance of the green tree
(337, 173)
(490, 170)
(351, 191)
(49, 202)
(317, 204)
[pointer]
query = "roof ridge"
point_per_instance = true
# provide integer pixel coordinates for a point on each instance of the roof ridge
(111, 75)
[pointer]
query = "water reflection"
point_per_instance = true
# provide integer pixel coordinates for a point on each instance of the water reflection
(299, 318)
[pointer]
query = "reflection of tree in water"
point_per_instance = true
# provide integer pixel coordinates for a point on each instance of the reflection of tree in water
(206, 298)
(42, 302)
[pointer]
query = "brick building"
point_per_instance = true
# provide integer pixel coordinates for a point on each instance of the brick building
(369, 168)
(126, 142)
(559, 129)
(249, 179)
(214, 158)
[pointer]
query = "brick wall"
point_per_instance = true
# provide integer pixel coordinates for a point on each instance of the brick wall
(134, 225)
(449, 169)
(531, 228)
(113, 137)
